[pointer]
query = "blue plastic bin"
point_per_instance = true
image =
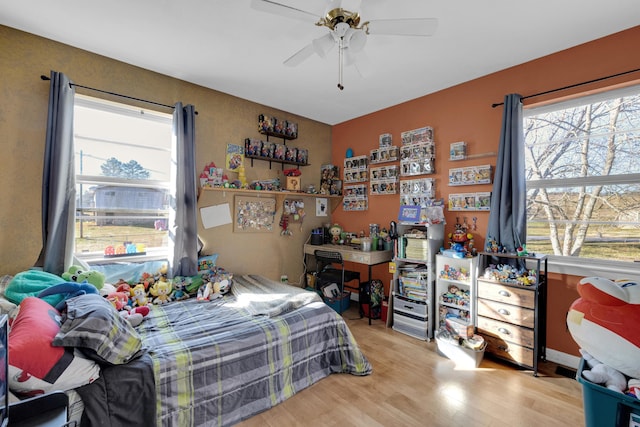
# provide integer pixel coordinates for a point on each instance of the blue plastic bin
(340, 304)
(604, 407)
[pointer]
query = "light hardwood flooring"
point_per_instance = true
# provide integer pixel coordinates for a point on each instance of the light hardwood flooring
(412, 385)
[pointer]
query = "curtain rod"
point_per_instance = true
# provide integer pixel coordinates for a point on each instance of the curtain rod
(43, 77)
(571, 86)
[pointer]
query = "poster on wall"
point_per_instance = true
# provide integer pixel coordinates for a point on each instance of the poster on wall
(235, 156)
(254, 214)
(321, 206)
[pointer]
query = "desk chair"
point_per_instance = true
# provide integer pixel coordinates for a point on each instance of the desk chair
(46, 410)
(327, 273)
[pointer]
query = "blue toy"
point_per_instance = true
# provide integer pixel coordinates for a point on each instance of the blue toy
(69, 290)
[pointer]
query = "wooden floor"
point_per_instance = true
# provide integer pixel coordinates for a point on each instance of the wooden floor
(411, 385)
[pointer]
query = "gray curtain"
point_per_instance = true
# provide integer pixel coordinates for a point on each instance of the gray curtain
(58, 180)
(507, 220)
(183, 230)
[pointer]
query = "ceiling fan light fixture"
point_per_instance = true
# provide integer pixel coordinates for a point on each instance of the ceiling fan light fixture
(357, 40)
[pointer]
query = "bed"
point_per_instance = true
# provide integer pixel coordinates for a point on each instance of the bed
(216, 363)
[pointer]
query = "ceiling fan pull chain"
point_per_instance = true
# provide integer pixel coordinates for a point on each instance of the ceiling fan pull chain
(340, 59)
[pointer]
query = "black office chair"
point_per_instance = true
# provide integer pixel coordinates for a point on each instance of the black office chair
(46, 410)
(326, 273)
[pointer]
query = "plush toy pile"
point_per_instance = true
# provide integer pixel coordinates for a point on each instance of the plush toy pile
(605, 323)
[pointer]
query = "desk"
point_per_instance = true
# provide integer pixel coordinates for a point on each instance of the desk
(351, 254)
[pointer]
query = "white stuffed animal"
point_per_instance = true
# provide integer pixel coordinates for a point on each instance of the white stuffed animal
(603, 374)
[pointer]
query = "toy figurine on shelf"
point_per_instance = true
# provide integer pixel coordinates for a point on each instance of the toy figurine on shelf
(462, 241)
(335, 231)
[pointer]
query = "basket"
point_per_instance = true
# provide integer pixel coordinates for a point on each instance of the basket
(463, 357)
(341, 303)
(604, 407)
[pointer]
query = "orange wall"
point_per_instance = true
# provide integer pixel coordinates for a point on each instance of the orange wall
(464, 113)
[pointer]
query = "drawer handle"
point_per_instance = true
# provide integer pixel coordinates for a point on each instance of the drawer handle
(408, 307)
(504, 331)
(504, 293)
(504, 312)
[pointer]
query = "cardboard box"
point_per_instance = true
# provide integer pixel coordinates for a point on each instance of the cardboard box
(292, 183)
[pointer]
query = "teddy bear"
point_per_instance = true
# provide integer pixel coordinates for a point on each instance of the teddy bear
(599, 373)
(76, 274)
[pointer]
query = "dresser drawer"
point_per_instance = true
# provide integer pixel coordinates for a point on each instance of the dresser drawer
(509, 351)
(507, 294)
(505, 331)
(405, 305)
(506, 312)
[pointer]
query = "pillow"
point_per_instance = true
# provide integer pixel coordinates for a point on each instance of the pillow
(93, 325)
(35, 366)
(30, 283)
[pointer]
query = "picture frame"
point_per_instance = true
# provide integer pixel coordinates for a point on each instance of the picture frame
(253, 214)
(409, 213)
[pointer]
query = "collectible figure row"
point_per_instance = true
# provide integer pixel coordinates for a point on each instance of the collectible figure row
(355, 198)
(277, 127)
(356, 163)
(422, 187)
(470, 201)
(384, 172)
(417, 159)
(424, 134)
(355, 169)
(470, 175)
(330, 182)
(276, 151)
(383, 154)
(385, 186)
(413, 167)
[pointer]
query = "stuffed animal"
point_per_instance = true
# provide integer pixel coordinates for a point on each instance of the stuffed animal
(605, 321)
(180, 288)
(77, 274)
(119, 300)
(161, 290)
(135, 316)
(69, 290)
(599, 373)
(138, 295)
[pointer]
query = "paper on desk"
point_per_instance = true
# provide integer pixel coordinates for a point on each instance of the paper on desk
(213, 216)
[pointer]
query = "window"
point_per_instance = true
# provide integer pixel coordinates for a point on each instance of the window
(583, 176)
(123, 177)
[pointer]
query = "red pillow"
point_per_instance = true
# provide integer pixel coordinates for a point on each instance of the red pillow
(35, 366)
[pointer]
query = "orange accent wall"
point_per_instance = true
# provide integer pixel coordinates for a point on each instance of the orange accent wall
(464, 113)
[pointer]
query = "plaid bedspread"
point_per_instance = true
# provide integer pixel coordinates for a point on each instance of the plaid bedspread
(217, 363)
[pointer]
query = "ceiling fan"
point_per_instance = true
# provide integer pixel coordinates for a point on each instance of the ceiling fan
(347, 31)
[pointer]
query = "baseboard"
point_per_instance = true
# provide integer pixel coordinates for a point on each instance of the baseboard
(563, 359)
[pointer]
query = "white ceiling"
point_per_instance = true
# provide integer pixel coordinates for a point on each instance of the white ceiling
(228, 46)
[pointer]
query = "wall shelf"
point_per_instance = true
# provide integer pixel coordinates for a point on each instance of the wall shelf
(280, 195)
(270, 160)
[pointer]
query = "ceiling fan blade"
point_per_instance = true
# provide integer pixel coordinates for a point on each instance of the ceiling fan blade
(360, 61)
(404, 27)
(300, 56)
(322, 45)
(283, 10)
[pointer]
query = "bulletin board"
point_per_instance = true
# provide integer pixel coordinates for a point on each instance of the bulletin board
(254, 214)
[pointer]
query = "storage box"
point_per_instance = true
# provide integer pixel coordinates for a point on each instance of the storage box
(604, 407)
(463, 357)
(341, 303)
(292, 183)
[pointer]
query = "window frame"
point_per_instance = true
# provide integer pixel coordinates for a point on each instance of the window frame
(582, 266)
(162, 253)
